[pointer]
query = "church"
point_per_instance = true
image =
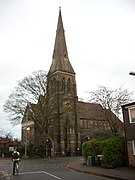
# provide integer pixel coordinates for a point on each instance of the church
(70, 121)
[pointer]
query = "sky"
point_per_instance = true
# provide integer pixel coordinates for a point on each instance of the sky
(100, 37)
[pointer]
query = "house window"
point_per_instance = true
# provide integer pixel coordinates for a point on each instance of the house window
(132, 114)
(133, 146)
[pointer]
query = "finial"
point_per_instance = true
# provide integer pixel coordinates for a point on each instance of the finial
(60, 6)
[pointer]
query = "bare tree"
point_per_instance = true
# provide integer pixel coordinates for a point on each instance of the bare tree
(27, 92)
(111, 101)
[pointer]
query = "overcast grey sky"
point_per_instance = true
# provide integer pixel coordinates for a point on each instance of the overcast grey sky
(100, 36)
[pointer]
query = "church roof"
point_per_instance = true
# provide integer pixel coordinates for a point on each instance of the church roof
(95, 112)
(90, 111)
(60, 60)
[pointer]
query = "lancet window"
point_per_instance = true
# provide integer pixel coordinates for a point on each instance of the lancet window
(63, 84)
(68, 85)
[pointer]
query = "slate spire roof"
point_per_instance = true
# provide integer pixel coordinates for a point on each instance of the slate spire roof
(60, 60)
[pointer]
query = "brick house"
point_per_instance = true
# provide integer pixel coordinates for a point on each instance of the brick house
(129, 127)
(70, 120)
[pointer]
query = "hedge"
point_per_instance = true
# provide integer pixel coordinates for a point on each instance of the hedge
(111, 147)
(113, 152)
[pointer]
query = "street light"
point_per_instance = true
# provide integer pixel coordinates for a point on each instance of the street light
(26, 141)
(132, 73)
(27, 129)
(28, 110)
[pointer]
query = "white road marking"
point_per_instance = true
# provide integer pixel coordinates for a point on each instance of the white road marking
(52, 175)
(38, 172)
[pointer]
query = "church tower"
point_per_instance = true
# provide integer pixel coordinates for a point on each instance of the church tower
(62, 98)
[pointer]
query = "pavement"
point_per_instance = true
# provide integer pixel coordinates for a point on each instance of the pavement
(122, 173)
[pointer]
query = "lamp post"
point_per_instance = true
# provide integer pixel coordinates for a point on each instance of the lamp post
(28, 113)
(26, 133)
(27, 129)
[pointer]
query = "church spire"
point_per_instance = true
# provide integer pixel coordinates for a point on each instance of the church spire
(60, 60)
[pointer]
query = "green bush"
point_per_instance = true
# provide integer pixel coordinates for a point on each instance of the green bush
(93, 147)
(86, 149)
(113, 152)
(34, 151)
(111, 147)
(37, 151)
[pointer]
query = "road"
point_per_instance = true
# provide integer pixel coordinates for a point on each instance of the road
(47, 169)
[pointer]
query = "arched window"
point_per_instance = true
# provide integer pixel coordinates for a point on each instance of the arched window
(68, 85)
(63, 84)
